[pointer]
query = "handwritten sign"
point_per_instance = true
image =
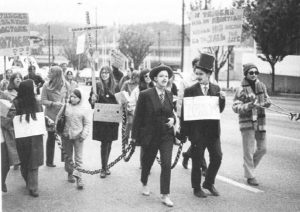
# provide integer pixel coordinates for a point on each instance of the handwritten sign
(201, 108)
(107, 112)
(23, 128)
(117, 59)
(216, 27)
(14, 34)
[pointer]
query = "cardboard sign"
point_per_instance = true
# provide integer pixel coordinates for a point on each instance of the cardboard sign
(14, 34)
(108, 112)
(4, 107)
(35, 127)
(216, 27)
(122, 97)
(117, 59)
(201, 108)
(80, 44)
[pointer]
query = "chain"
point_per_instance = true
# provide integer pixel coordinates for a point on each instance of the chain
(125, 137)
(176, 158)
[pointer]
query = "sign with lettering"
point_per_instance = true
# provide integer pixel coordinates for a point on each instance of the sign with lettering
(14, 34)
(107, 112)
(216, 27)
(201, 108)
(117, 59)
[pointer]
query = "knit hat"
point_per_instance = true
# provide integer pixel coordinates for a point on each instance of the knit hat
(247, 67)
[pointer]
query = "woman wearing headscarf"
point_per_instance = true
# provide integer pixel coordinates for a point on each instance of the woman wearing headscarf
(153, 126)
(55, 93)
(106, 132)
(30, 149)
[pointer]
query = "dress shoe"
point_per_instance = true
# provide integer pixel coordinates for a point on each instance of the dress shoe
(252, 181)
(165, 199)
(71, 178)
(211, 189)
(107, 172)
(4, 188)
(79, 183)
(200, 193)
(50, 165)
(103, 174)
(145, 190)
(185, 160)
(33, 193)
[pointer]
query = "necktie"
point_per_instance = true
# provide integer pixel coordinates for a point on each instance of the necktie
(205, 90)
(162, 97)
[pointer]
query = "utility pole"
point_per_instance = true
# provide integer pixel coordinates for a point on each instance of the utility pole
(159, 46)
(52, 49)
(182, 37)
(96, 30)
(49, 49)
(228, 67)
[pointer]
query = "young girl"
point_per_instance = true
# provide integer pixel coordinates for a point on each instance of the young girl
(75, 132)
(30, 149)
(106, 132)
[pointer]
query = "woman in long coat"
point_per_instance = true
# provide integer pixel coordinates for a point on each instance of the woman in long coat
(106, 132)
(30, 149)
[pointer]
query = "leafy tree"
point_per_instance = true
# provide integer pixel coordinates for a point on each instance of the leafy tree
(70, 54)
(274, 25)
(135, 44)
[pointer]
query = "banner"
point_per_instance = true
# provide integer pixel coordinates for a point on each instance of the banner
(117, 59)
(80, 44)
(216, 27)
(14, 34)
(107, 112)
(201, 108)
(35, 127)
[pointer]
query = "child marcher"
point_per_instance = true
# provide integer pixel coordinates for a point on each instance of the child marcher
(75, 132)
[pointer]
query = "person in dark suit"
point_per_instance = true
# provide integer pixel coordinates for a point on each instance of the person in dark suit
(153, 127)
(204, 133)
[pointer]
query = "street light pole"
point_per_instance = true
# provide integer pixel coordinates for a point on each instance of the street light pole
(96, 29)
(182, 37)
(49, 50)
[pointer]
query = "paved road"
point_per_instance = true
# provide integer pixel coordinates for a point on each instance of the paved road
(278, 174)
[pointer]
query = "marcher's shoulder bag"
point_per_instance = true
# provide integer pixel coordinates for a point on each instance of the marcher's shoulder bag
(61, 120)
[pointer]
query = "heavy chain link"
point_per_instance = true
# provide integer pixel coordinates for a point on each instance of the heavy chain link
(125, 137)
(176, 158)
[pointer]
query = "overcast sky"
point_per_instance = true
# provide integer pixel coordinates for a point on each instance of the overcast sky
(108, 11)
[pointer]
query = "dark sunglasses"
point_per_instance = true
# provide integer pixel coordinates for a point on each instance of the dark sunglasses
(253, 72)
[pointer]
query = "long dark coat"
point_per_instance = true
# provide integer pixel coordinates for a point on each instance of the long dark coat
(151, 116)
(202, 130)
(104, 131)
(30, 149)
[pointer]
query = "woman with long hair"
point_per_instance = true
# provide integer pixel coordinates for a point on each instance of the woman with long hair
(13, 85)
(55, 93)
(106, 132)
(30, 149)
(70, 79)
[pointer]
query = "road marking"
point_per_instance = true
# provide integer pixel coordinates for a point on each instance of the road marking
(285, 137)
(237, 184)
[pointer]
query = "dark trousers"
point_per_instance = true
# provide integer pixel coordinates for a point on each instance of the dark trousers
(188, 154)
(215, 158)
(105, 151)
(149, 153)
(4, 163)
(50, 147)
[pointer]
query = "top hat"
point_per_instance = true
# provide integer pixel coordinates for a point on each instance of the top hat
(205, 62)
(154, 72)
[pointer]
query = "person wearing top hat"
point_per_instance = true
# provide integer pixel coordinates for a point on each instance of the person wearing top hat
(153, 127)
(204, 133)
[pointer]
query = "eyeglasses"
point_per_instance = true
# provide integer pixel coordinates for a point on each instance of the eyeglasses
(253, 72)
(105, 72)
(146, 76)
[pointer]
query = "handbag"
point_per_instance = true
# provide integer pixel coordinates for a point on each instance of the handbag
(61, 121)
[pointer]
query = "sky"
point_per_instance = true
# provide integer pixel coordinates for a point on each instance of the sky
(108, 11)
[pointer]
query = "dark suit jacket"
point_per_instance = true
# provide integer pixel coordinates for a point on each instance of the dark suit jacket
(202, 130)
(149, 123)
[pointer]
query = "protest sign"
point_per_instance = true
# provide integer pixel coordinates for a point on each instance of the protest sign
(80, 44)
(23, 128)
(122, 97)
(201, 108)
(216, 27)
(14, 34)
(117, 59)
(5, 105)
(107, 112)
